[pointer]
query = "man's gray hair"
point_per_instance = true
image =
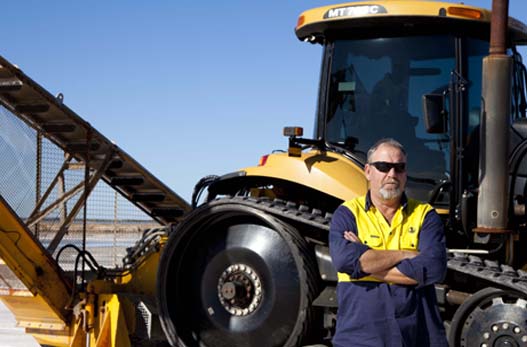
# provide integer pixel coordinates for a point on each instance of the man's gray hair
(385, 141)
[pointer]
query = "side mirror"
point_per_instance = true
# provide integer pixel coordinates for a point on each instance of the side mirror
(434, 113)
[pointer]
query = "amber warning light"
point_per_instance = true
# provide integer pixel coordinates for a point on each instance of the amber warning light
(464, 12)
(300, 21)
(293, 131)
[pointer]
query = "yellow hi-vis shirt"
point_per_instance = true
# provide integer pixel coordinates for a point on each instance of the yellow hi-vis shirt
(374, 231)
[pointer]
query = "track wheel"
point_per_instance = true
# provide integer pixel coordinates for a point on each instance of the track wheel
(231, 275)
(490, 318)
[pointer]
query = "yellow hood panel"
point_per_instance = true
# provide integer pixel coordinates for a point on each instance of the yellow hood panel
(328, 172)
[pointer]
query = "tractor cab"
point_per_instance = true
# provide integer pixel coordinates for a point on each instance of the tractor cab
(383, 61)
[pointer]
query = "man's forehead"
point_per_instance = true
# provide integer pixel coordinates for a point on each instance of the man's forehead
(387, 150)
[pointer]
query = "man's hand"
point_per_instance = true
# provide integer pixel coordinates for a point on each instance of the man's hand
(350, 236)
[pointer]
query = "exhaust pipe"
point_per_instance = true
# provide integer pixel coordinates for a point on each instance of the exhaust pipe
(493, 197)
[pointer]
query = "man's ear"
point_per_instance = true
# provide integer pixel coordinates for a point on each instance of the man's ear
(367, 171)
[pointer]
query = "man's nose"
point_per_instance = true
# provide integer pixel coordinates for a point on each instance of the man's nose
(392, 172)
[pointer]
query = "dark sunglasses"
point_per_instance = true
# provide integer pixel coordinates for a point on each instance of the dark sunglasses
(385, 167)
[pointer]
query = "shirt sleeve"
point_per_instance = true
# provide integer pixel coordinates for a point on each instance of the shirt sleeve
(430, 265)
(345, 254)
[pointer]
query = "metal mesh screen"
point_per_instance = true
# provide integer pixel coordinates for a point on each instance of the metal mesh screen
(17, 163)
(29, 164)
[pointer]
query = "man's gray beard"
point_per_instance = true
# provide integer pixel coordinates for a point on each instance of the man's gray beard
(391, 193)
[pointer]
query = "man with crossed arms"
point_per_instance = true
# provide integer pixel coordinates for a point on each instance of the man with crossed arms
(389, 251)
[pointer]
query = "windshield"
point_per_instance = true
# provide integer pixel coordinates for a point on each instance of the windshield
(376, 91)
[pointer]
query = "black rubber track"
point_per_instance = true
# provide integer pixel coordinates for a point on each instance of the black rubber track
(241, 209)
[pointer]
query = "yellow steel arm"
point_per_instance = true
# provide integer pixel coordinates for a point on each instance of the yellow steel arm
(32, 264)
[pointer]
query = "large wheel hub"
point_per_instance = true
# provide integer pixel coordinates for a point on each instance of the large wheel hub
(493, 318)
(503, 334)
(240, 290)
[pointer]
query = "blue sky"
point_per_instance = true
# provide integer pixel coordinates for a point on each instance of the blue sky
(189, 88)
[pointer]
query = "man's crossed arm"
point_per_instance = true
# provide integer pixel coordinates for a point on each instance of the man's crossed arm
(381, 264)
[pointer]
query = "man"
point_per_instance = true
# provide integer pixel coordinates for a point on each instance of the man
(389, 251)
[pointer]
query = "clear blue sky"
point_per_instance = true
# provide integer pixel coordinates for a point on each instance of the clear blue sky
(189, 88)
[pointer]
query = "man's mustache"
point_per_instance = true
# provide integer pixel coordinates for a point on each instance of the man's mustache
(391, 181)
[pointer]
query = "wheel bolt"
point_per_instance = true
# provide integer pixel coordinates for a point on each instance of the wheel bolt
(495, 328)
(486, 335)
(517, 330)
(524, 338)
(484, 345)
(505, 326)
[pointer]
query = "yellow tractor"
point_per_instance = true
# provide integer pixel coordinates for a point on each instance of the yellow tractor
(254, 258)
(247, 263)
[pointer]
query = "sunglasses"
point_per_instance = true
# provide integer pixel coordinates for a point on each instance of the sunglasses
(385, 167)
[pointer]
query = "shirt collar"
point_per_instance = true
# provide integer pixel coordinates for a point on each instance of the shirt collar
(369, 203)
